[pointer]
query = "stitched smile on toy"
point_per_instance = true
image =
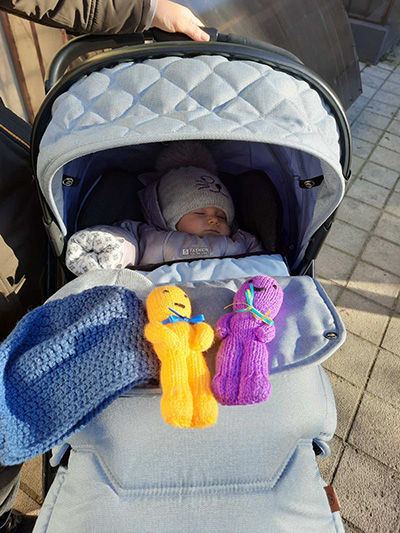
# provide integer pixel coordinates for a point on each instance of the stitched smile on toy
(257, 289)
(163, 299)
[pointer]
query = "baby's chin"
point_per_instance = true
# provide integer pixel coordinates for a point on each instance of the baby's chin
(210, 233)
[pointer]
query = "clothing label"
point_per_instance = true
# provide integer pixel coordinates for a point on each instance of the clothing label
(332, 498)
(195, 252)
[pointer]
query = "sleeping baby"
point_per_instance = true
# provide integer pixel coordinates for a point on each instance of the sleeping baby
(188, 214)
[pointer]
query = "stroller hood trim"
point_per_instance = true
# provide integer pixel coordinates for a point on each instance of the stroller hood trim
(205, 97)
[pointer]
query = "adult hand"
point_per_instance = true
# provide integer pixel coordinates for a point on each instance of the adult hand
(172, 17)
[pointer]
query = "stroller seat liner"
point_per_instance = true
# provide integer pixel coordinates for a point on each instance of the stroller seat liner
(218, 269)
(257, 461)
(309, 328)
(255, 470)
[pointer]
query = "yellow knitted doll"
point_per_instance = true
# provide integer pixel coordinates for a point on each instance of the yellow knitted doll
(179, 341)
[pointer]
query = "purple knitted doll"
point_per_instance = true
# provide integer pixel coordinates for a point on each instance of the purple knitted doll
(242, 360)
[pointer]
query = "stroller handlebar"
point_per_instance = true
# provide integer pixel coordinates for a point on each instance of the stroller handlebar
(85, 44)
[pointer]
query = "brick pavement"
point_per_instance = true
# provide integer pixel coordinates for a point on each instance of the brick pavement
(359, 266)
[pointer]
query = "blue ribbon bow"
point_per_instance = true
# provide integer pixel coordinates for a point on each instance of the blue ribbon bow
(176, 317)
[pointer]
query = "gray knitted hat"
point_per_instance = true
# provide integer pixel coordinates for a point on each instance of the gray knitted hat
(183, 190)
(188, 182)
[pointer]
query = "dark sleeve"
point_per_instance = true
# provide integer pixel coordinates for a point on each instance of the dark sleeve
(86, 16)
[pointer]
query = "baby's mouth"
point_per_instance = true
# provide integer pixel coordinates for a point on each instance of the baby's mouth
(211, 232)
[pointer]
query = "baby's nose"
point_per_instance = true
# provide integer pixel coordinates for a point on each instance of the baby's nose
(213, 220)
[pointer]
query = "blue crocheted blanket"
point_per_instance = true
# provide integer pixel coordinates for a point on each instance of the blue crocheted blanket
(64, 363)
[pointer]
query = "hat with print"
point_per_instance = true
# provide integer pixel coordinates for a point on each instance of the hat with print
(184, 190)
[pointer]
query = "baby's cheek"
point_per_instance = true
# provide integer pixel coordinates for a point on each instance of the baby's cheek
(227, 230)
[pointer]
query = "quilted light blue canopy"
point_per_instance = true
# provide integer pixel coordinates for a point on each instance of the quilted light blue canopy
(204, 97)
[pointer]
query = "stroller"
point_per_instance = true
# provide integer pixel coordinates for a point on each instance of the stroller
(257, 108)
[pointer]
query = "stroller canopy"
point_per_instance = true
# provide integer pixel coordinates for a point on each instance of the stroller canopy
(205, 97)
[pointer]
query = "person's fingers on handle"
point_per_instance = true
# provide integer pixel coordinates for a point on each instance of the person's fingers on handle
(197, 21)
(190, 25)
(195, 33)
(172, 17)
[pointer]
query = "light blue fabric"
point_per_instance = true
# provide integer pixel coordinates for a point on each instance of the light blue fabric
(206, 97)
(219, 269)
(254, 471)
(308, 327)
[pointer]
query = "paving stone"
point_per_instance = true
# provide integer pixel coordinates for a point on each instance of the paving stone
(383, 254)
(363, 317)
(366, 133)
(387, 64)
(361, 102)
(390, 141)
(358, 213)
(387, 98)
(382, 109)
(362, 148)
(379, 175)
(25, 504)
(369, 493)
(386, 157)
(394, 77)
(350, 528)
(391, 87)
(389, 228)
(375, 284)
(375, 431)
(334, 265)
(374, 120)
(352, 114)
(356, 164)
(353, 360)
(375, 70)
(368, 192)
(347, 398)
(394, 127)
(31, 478)
(384, 381)
(347, 238)
(371, 81)
(368, 92)
(397, 189)
(391, 340)
(331, 289)
(327, 465)
(393, 205)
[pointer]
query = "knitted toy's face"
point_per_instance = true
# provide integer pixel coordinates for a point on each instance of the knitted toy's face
(268, 295)
(162, 301)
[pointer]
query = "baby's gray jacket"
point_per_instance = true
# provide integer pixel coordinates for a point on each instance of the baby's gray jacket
(145, 244)
(151, 242)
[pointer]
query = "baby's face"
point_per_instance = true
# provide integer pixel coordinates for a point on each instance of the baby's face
(204, 221)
